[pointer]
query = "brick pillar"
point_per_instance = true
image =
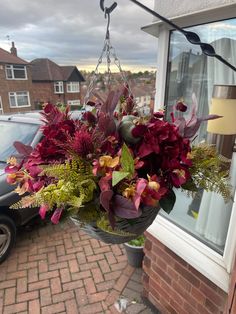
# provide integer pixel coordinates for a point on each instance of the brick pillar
(173, 286)
(231, 303)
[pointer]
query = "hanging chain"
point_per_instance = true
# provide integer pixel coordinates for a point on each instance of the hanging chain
(107, 53)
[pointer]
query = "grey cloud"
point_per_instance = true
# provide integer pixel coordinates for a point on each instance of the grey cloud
(73, 31)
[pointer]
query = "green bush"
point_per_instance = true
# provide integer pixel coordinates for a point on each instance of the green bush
(139, 241)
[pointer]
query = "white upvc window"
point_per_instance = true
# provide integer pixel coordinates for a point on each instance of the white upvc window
(58, 87)
(19, 99)
(75, 102)
(73, 87)
(16, 72)
(201, 231)
(1, 107)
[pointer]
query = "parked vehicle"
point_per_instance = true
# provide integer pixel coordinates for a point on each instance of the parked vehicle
(26, 129)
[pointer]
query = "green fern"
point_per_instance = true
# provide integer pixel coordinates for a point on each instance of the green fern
(210, 170)
(74, 185)
(104, 224)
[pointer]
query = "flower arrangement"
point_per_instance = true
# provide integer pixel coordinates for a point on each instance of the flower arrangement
(113, 165)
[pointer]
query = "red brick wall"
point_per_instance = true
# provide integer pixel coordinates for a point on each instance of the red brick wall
(7, 86)
(44, 92)
(173, 286)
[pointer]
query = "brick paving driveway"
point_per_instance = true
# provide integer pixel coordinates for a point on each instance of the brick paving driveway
(59, 269)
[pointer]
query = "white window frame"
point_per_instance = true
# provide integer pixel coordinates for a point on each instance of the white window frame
(73, 87)
(75, 102)
(208, 262)
(15, 94)
(1, 106)
(11, 67)
(60, 86)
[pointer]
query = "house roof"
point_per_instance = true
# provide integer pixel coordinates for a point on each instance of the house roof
(47, 70)
(7, 57)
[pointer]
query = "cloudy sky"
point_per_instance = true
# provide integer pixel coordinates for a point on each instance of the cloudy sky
(72, 32)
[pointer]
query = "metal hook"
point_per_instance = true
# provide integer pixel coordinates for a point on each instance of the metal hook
(105, 9)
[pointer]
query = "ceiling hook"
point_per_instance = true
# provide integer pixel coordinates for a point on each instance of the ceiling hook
(105, 9)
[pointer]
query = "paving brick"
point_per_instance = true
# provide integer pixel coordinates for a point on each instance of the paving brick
(89, 285)
(97, 275)
(45, 297)
(10, 296)
(92, 308)
(54, 308)
(55, 285)
(15, 308)
(61, 297)
(63, 270)
(73, 266)
(81, 296)
(72, 285)
(38, 285)
(27, 296)
(71, 307)
(34, 307)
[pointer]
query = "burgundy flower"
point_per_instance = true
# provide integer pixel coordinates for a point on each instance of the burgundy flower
(83, 143)
(180, 106)
(89, 117)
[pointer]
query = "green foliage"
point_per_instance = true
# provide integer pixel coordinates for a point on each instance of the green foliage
(118, 176)
(167, 203)
(139, 241)
(104, 224)
(127, 164)
(73, 186)
(210, 170)
(127, 161)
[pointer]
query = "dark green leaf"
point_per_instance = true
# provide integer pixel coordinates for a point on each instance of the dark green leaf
(168, 202)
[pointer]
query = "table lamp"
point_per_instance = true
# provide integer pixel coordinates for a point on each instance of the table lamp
(223, 103)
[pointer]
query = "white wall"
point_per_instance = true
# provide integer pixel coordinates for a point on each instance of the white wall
(174, 8)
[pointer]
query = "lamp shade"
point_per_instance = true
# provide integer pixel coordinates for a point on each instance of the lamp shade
(223, 103)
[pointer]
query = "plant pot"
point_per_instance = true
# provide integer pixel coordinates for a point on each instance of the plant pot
(135, 255)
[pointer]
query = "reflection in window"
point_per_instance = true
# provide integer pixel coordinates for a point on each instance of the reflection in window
(190, 72)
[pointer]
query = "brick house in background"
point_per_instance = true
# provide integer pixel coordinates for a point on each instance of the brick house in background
(15, 82)
(54, 83)
(189, 265)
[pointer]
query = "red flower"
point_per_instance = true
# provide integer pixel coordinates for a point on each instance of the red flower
(83, 143)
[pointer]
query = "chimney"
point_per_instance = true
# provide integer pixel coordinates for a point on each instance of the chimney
(13, 49)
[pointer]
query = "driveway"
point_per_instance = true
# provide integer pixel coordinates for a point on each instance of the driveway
(59, 269)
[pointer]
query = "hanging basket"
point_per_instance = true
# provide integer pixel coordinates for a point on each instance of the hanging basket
(131, 228)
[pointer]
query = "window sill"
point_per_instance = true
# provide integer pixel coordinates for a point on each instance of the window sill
(205, 260)
(17, 107)
(17, 79)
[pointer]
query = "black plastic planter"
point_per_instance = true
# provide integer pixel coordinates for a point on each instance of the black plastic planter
(135, 255)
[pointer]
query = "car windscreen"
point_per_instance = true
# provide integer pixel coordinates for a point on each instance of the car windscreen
(15, 131)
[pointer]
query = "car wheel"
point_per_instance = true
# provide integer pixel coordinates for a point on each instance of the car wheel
(7, 236)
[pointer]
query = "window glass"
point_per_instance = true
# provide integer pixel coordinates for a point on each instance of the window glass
(73, 87)
(58, 88)
(206, 216)
(23, 132)
(16, 72)
(19, 99)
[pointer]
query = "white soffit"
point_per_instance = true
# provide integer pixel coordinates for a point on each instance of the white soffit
(208, 15)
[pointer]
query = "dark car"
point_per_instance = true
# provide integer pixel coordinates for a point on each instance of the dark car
(26, 129)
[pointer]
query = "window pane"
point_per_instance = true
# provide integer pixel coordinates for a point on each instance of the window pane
(22, 99)
(206, 216)
(12, 100)
(9, 73)
(19, 73)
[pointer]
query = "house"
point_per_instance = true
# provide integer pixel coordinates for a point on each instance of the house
(189, 266)
(15, 82)
(55, 83)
